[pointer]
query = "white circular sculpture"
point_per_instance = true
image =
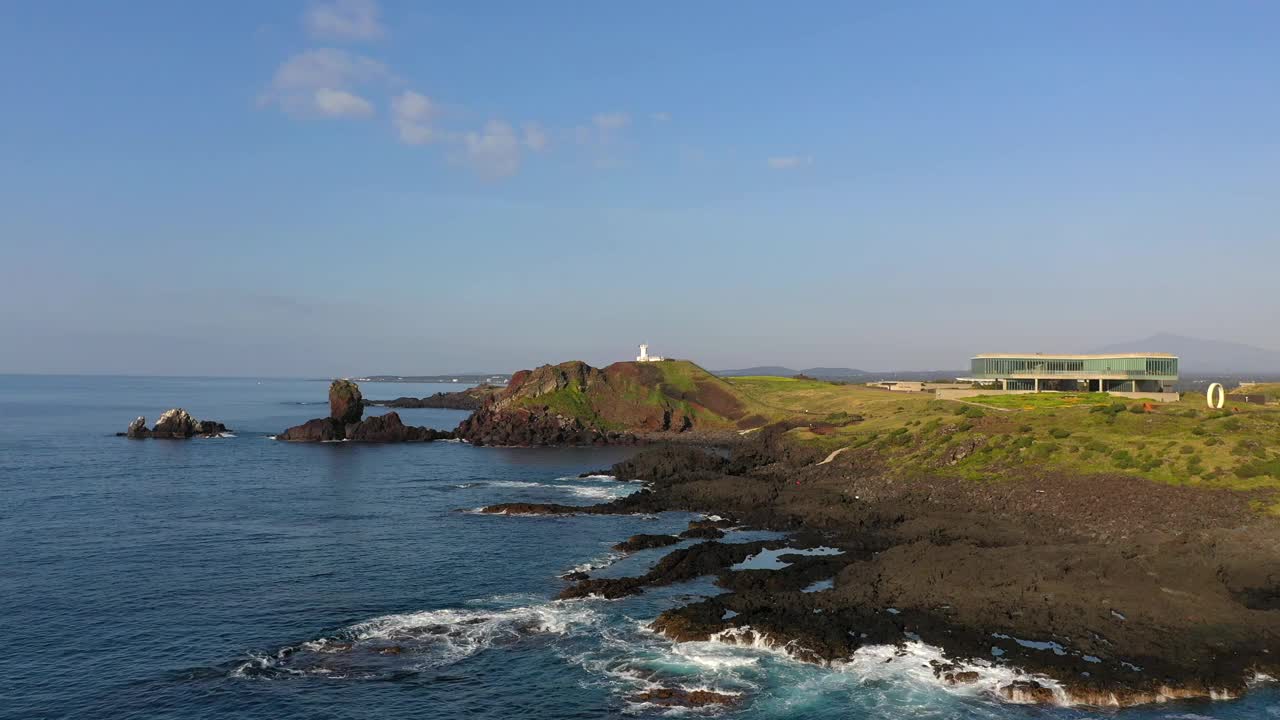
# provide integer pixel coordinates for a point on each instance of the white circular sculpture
(1216, 396)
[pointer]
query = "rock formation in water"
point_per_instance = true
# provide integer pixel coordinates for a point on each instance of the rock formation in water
(346, 406)
(174, 424)
(469, 399)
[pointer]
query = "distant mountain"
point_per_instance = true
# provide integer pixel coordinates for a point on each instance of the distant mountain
(770, 370)
(825, 372)
(822, 373)
(1197, 355)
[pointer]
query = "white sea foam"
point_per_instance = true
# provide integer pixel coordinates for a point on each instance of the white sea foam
(416, 641)
(911, 661)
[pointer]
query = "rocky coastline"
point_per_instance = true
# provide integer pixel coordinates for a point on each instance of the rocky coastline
(1100, 591)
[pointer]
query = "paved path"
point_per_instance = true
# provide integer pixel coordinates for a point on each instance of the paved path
(833, 455)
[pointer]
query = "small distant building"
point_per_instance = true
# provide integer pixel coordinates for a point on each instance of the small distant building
(1122, 372)
(644, 355)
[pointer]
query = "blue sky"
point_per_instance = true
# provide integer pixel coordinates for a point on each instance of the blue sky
(352, 186)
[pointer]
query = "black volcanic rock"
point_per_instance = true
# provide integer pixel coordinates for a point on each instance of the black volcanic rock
(345, 403)
(470, 399)
(528, 427)
(317, 430)
(389, 428)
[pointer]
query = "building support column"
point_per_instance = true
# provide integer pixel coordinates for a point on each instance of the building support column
(1036, 385)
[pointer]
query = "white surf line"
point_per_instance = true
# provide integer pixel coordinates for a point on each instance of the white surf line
(833, 455)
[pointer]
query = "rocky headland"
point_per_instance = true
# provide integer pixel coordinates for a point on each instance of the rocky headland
(1102, 590)
(346, 421)
(175, 424)
(575, 404)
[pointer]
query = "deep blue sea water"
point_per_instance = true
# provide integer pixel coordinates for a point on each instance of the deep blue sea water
(248, 578)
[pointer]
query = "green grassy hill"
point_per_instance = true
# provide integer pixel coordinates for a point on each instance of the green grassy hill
(667, 395)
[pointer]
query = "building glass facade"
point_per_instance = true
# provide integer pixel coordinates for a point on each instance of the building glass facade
(1126, 366)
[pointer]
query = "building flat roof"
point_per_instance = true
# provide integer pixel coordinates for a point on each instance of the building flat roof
(1075, 357)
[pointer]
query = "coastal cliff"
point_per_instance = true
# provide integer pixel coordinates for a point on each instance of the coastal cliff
(575, 404)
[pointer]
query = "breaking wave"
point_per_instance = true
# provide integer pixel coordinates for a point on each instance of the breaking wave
(390, 645)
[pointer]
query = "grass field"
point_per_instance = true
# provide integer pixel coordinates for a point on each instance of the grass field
(1181, 443)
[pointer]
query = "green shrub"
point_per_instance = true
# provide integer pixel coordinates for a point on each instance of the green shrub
(1060, 433)
(1231, 424)
(1137, 409)
(1044, 450)
(1024, 428)
(1213, 441)
(1256, 468)
(1186, 450)
(1199, 430)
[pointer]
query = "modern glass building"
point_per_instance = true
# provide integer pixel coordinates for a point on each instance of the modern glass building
(1133, 372)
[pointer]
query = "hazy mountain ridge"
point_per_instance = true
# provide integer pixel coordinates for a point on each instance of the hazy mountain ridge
(1197, 355)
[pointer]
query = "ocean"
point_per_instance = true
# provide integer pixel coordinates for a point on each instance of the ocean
(242, 577)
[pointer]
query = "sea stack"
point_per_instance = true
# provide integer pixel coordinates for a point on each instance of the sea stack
(346, 404)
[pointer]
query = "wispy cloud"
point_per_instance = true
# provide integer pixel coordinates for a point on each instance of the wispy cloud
(413, 114)
(660, 116)
(535, 137)
(493, 152)
(338, 83)
(324, 82)
(790, 162)
(611, 120)
(344, 20)
(340, 103)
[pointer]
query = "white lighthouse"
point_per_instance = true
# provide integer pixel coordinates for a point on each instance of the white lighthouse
(644, 355)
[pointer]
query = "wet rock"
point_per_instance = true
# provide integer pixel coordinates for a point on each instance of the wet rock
(706, 533)
(1027, 692)
(575, 576)
(679, 697)
(644, 542)
(317, 430)
(346, 404)
(708, 558)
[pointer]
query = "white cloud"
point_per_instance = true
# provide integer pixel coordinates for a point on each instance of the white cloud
(311, 82)
(790, 162)
(340, 103)
(412, 114)
(611, 121)
(494, 152)
(660, 116)
(535, 137)
(344, 20)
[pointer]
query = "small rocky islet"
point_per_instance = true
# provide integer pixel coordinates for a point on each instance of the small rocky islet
(346, 422)
(174, 424)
